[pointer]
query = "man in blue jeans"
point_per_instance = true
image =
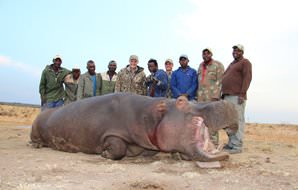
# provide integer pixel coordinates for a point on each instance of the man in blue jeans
(184, 81)
(51, 84)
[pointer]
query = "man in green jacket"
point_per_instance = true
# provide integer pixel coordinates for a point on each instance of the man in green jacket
(109, 78)
(51, 84)
(90, 83)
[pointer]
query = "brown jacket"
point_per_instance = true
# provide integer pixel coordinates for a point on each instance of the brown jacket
(237, 78)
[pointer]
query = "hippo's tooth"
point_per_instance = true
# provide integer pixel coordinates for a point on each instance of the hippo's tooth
(206, 143)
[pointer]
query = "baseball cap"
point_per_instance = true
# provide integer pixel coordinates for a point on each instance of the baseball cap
(57, 57)
(208, 49)
(134, 57)
(183, 56)
(76, 68)
(239, 46)
(169, 60)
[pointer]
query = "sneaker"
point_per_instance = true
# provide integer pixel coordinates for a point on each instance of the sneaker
(231, 150)
(227, 147)
(234, 151)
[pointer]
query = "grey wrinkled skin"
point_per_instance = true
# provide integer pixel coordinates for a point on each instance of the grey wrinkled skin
(124, 124)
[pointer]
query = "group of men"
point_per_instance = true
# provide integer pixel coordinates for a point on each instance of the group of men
(209, 83)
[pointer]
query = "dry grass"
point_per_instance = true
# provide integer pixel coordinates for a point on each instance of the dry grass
(18, 114)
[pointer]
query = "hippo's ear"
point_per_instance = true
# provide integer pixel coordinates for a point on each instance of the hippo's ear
(182, 104)
(161, 107)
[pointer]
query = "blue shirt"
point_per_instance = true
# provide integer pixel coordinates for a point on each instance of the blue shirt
(93, 77)
(184, 81)
(161, 86)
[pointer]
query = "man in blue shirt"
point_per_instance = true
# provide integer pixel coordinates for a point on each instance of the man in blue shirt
(157, 81)
(184, 81)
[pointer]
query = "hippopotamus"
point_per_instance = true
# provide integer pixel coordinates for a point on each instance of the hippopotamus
(124, 124)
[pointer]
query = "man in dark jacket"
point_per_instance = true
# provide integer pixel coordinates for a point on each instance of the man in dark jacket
(157, 81)
(184, 81)
(235, 83)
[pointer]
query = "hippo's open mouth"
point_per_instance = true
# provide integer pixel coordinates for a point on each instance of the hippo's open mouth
(202, 137)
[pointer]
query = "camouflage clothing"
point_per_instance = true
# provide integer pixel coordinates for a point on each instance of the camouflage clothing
(169, 92)
(71, 88)
(210, 86)
(133, 82)
(210, 81)
(108, 85)
(51, 84)
(85, 86)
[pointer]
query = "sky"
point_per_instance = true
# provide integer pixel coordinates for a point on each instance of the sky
(33, 32)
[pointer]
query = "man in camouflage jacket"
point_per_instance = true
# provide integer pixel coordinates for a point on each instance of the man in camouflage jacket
(132, 78)
(210, 75)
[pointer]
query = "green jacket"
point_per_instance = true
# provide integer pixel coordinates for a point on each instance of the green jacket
(71, 88)
(85, 87)
(108, 86)
(51, 84)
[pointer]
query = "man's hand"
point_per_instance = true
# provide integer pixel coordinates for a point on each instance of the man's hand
(148, 79)
(240, 100)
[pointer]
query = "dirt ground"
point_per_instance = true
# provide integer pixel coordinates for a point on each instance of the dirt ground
(269, 161)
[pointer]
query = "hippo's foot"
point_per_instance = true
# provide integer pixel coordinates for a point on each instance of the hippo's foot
(176, 156)
(148, 153)
(114, 148)
(35, 144)
(185, 157)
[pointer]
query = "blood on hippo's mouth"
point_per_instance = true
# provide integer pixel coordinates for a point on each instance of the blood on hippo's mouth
(202, 136)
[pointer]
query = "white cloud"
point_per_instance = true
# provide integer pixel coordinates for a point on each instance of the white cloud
(8, 62)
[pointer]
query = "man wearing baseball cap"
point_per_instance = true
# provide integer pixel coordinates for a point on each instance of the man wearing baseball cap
(210, 74)
(184, 81)
(235, 83)
(51, 84)
(169, 70)
(132, 78)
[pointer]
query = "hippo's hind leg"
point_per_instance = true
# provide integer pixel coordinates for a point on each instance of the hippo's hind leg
(36, 140)
(114, 148)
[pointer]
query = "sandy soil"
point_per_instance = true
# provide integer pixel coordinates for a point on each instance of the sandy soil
(269, 161)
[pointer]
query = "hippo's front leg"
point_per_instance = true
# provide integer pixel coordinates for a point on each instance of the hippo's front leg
(114, 148)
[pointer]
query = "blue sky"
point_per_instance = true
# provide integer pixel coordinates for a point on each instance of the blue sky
(33, 32)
